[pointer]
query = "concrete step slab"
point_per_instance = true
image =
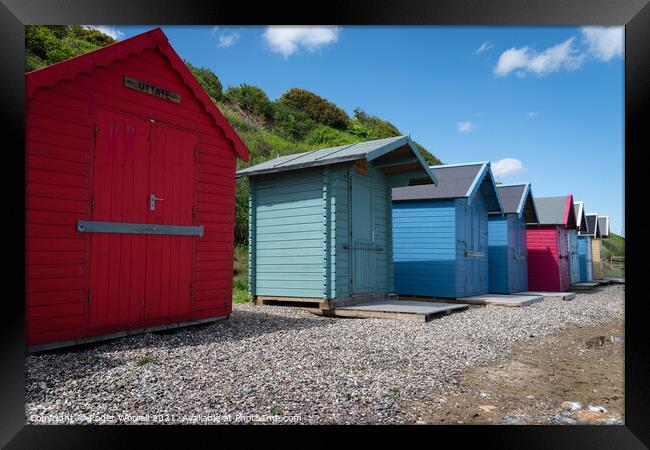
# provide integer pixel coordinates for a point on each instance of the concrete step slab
(419, 311)
(615, 280)
(502, 299)
(551, 295)
(584, 286)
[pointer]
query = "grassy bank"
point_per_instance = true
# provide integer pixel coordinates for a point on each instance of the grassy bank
(240, 275)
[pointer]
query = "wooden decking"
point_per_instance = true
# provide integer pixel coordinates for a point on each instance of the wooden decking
(316, 303)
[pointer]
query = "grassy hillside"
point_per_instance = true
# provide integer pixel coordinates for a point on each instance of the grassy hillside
(614, 246)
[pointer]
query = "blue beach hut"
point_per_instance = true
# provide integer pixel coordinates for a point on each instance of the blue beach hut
(508, 253)
(320, 222)
(440, 232)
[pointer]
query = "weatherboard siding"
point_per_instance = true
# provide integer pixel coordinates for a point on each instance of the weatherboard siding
(596, 247)
(424, 247)
(290, 235)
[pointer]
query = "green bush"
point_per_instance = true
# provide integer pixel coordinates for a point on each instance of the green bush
(428, 157)
(371, 127)
(40, 41)
(250, 98)
(49, 44)
(324, 136)
(33, 62)
(208, 81)
(614, 246)
(317, 108)
(289, 122)
(90, 35)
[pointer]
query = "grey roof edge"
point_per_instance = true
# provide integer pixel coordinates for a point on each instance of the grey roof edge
(528, 191)
(482, 173)
(579, 207)
(608, 229)
(595, 225)
(395, 143)
(477, 163)
(565, 199)
(522, 201)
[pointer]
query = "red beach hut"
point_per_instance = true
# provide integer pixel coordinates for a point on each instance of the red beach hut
(548, 249)
(130, 187)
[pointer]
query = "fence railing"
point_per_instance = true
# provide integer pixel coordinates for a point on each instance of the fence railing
(617, 262)
(615, 265)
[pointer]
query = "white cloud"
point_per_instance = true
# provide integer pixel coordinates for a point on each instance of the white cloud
(512, 59)
(484, 47)
(288, 40)
(225, 37)
(507, 167)
(603, 43)
(466, 126)
(532, 114)
(228, 39)
(108, 30)
(522, 60)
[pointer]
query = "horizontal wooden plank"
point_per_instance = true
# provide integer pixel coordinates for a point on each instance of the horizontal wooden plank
(51, 150)
(54, 311)
(55, 257)
(57, 284)
(46, 176)
(39, 298)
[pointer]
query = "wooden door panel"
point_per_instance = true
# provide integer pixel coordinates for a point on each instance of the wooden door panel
(169, 257)
(120, 172)
(363, 245)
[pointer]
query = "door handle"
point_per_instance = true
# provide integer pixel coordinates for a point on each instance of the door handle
(152, 202)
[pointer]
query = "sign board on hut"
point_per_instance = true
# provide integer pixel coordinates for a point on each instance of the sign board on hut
(151, 89)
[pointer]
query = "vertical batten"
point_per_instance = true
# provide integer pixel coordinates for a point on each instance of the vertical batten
(326, 232)
(252, 241)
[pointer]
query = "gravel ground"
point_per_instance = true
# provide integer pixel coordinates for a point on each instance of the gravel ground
(283, 363)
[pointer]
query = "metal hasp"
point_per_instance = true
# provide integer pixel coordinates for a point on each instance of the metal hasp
(90, 226)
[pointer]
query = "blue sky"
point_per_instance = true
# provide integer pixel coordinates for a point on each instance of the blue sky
(547, 102)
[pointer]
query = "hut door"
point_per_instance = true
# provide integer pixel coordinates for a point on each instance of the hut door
(574, 261)
(170, 201)
(563, 258)
(133, 276)
(473, 250)
(362, 236)
(119, 183)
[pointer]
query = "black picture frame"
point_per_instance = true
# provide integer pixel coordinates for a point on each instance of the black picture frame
(633, 14)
